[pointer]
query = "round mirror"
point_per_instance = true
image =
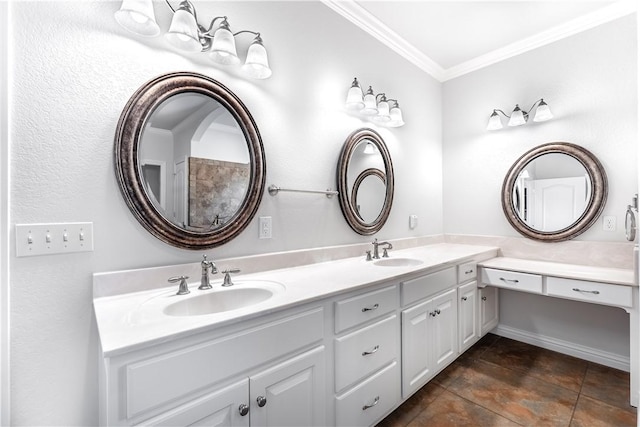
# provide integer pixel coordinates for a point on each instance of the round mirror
(189, 160)
(554, 192)
(365, 181)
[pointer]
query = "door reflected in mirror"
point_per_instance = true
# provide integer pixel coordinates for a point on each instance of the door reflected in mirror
(368, 193)
(195, 162)
(551, 192)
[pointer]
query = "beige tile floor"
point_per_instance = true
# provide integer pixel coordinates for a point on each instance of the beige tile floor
(502, 382)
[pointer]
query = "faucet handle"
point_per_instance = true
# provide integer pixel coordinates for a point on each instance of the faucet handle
(385, 254)
(183, 288)
(227, 276)
(368, 256)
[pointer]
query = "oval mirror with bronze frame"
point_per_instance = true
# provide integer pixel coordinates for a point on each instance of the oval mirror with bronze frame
(191, 111)
(554, 192)
(364, 149)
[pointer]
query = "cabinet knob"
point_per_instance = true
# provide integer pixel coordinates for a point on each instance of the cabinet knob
(464, 298)
(437, 311)
(261, 401)
(484, 298)
(244, 409)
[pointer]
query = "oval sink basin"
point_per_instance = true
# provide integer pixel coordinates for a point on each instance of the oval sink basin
(222, 299)
(397, 262)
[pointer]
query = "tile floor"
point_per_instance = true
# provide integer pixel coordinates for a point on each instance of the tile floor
(502, 382)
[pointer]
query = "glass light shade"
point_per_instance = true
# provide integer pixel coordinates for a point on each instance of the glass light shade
(396, 117)
(354, 97)
(137, 16)
(517, 117)
(369, 148)
(494, 122)
(543, 113)
(370, 107)
(223, 48)
(383, 113)
(257, 64)
(183, 32)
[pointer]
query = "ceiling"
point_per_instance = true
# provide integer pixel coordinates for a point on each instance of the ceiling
(451, 38)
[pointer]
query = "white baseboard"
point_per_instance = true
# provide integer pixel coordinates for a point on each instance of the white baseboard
(565, 347)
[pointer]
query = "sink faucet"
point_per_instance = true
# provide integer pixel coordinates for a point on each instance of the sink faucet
(227, 276)
(206, 265)
(376, 253)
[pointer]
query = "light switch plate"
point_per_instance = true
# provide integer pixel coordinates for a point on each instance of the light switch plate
(57, 238)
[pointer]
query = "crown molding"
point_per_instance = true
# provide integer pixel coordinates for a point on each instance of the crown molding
(350, 10)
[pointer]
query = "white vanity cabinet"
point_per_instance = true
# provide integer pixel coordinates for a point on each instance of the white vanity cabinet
(245, 376)
(429, 328)
(468, 314)
(366, 363)
(489, 309)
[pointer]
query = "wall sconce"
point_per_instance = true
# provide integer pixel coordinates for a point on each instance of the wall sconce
(519, 117)
(188, 35)
(375, 108)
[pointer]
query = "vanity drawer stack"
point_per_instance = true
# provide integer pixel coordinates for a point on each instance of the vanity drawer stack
(367, 378)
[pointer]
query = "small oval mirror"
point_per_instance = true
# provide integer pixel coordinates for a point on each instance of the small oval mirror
(554, 192)
(365, 181)
(189, 160)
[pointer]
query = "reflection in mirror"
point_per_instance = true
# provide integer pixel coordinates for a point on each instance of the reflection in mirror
(551, 192)
(189, 160)
(195, 144)
(368, 194)
(365, 181)
(554, 192)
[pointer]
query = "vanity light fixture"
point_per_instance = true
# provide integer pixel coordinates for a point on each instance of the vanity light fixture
(185, 33)
(373, 107)
(519, 117)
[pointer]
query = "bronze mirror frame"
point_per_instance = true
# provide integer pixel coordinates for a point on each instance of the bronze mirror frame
(127, 165)
(349, 210)
(594, 207)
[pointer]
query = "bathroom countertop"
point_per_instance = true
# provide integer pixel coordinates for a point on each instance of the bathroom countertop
(134, 320)
(617, 276)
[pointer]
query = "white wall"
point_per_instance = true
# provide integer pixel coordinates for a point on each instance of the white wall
(73, 71)
(590, 82)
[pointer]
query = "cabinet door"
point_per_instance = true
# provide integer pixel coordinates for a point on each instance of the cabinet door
(445, 332)
(221, 408)
(291, 393)
(468, 315)
(488, 309)
(416, 346)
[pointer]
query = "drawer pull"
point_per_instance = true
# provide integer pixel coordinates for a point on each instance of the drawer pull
(375, 402)
(468, 272)
(509, 280)
(375, 349)
(589, 292)
(463, 298)
(374, 307)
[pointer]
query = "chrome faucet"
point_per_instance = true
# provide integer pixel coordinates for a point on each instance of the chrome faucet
(183, 288)
(227, 276)
(206, 265)
(376, 252)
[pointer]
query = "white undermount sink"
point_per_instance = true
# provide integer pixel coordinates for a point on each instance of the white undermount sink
(397, 262)
(218, 300)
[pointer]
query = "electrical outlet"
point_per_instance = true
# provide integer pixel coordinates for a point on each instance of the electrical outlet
(265, 227)
(609, 223)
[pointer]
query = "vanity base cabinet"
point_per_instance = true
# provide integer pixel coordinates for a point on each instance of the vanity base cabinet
(489, 310)
(429, 339)
(468, 319)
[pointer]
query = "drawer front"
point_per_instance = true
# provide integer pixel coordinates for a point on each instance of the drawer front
(466, 272)
(430, 284)
(367, 403)
(366, 350)
(364, 307)
(512, 280)
(594, 292)
(167, 377)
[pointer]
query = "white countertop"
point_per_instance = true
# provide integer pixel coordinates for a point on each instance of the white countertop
(134, 320)
(617, 276)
